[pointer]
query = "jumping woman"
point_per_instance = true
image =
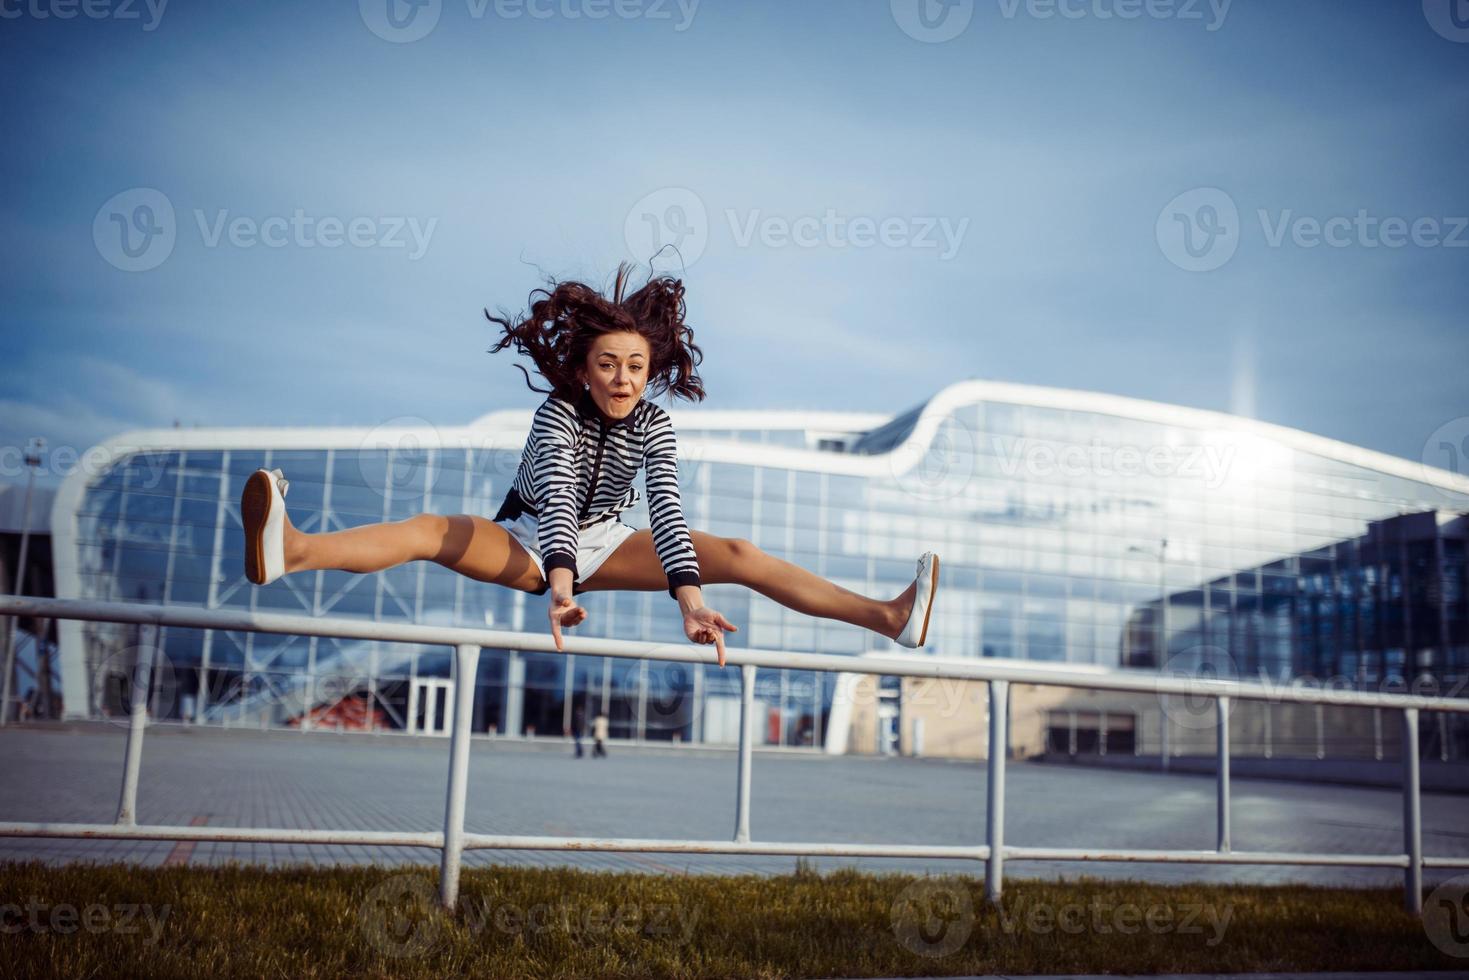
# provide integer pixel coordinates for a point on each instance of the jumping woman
(558, 529)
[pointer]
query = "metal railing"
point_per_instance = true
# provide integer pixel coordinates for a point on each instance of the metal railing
(453, 840)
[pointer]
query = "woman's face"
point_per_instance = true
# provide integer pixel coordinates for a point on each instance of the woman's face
(617, 370)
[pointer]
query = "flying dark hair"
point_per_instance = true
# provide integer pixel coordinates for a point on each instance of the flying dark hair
(563, 323)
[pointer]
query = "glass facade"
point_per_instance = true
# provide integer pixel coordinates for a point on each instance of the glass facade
(1065, 535)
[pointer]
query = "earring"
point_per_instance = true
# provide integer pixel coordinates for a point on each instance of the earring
(587, 385)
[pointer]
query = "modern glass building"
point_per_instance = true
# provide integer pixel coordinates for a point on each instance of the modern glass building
(1072, 527)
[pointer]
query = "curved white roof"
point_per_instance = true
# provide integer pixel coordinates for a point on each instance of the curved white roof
(506, 430)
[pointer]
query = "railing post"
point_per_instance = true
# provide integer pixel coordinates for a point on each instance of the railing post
(466, 664)
(1222, 768)
(1412, 816)
(999, 748)
(747, 738)
(127, 804)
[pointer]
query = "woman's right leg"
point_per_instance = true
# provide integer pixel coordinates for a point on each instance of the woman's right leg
(470, 545)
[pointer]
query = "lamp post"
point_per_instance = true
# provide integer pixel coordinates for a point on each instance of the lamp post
(1161, 647)
(32, 460)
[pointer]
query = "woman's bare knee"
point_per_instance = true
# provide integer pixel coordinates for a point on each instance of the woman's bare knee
(726, 559)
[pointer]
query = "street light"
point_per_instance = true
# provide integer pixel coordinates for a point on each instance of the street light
(1161, 554)
(1161, 647)
(32, 460)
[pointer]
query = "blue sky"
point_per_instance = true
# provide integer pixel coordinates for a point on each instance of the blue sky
(870, 213)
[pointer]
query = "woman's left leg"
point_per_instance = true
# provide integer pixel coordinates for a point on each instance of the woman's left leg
(635, 566)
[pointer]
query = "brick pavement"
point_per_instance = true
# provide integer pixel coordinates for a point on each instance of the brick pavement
(323, 780)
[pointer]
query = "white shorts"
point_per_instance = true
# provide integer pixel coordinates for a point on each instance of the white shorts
(594, 544)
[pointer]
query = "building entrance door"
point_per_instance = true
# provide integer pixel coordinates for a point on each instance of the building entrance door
(428, 705)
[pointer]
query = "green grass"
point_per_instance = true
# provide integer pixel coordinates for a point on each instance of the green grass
(245, 921)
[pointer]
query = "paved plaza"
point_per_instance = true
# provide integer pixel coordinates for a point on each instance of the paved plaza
(390, 782)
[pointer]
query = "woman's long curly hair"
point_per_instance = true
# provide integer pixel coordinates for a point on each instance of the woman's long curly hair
(561, 326)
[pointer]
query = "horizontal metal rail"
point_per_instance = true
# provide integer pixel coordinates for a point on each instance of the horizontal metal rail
(980, 670)
(453, 840)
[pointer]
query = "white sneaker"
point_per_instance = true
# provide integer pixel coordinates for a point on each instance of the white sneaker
(916, 632)
(263, 511)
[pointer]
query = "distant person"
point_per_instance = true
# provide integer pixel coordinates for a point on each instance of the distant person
(578, 728)
(559, 527)
(599, 735)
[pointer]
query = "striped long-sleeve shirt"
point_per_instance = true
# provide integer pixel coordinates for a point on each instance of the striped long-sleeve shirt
(577, 469)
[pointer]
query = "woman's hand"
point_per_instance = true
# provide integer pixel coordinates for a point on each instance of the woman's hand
(704, 625)
(563, 611)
